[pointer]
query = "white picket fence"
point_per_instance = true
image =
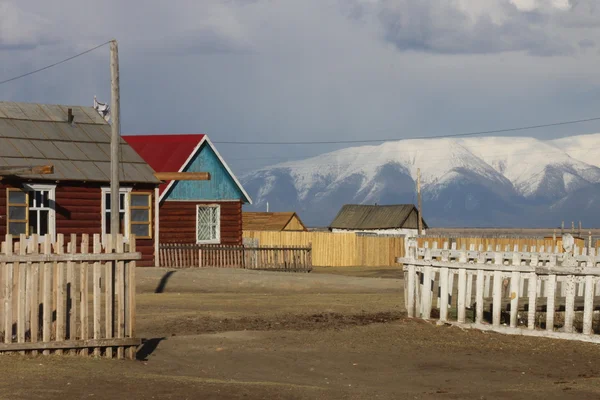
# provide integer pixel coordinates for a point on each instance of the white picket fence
(536, 292)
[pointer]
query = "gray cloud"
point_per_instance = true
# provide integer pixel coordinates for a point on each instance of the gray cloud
(445, 27)
(20, 30)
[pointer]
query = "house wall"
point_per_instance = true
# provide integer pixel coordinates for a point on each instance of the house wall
(178, 221)
(79, 210)
(221, 186)
(294, 225)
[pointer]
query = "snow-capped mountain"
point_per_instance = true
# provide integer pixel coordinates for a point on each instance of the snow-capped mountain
(484, 181)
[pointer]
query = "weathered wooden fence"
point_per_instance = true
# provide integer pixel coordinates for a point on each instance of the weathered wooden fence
(337, 249)
(75, 302)
(535, 291)
(289, 258)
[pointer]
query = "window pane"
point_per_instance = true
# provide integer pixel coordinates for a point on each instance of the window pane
(121, 201)
(46, 199)
(140, 230)
(106, 222)
(16, 228)
(33, 222)
(17, 212)
(44, 215)
(140, 215)
(16, 197)
(140, 200)
(107, 201)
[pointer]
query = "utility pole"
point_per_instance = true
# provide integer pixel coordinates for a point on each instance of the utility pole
(114, 142)
(420, 209)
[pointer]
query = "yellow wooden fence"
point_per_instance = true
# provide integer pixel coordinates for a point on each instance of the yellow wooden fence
(337, 249)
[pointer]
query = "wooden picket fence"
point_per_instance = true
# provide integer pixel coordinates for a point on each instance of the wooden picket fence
(48, 304)
(289, 258)
(535, 291)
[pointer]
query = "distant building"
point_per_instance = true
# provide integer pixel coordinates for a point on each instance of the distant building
(400, 219)
(272, 221)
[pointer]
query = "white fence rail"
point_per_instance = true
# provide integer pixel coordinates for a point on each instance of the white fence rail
(528, 292)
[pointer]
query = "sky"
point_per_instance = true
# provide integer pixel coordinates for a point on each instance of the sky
(312, 70)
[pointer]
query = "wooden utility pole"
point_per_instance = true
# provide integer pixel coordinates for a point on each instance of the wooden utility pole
(114, 142)
(420, 209)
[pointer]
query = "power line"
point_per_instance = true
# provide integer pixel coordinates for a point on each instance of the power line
(54, 65)
(523, 128)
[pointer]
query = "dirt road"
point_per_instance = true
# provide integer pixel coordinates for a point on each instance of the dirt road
(230, 334)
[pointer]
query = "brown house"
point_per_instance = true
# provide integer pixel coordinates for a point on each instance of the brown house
(272, 221)
(75, 198)
(193, 212)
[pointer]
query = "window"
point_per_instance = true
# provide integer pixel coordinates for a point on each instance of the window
(141, 216)
(31, 210)
(208, 224)
(135, 213)
(123, 210)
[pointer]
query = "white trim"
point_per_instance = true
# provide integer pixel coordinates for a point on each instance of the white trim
(193, 154)
(29, 187)
(156, 230)
(217, 240)
(105, 191)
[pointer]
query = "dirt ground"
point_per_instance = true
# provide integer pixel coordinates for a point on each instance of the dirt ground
(330, 334)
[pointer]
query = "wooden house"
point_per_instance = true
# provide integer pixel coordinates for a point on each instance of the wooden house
(400, 219)
(75, 198)
(272, 221)
(193, 211)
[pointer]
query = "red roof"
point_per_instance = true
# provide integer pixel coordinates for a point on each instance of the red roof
(164, 153)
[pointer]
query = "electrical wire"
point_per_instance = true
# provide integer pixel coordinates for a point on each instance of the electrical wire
(523, 128)
(54, 64)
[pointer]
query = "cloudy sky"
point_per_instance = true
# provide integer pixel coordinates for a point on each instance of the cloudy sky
(264, 70)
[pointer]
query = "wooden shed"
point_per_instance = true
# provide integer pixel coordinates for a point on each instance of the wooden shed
(193, 211)
(272, 221)
(400, 219)
(75, 198)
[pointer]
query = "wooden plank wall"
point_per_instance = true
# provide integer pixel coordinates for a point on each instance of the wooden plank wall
(178, 222)
(79, 209)
(337, 249)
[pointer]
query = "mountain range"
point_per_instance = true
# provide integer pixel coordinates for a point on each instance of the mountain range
(475, 182)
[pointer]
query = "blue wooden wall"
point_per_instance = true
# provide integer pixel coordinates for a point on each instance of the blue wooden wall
(221, 186)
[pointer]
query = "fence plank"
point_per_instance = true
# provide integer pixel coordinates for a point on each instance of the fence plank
(21, 291)
(97, 294)
(47, 296)
(588, 309)
(444, 294)
(426, 294)
(479, 297)
(108, 296)
(83, 293)
(60, 294)
(531, 288)
(131, 266)
(551, 284)
(120, 290)
(411, 291)
(72, 294)
(462, 275)
(34, 302)
(515, 288)
(569, 303)
(8, 293)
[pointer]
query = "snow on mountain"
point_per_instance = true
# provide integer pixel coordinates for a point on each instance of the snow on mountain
(477, 180)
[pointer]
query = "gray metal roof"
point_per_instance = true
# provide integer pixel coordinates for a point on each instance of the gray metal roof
(39, 134)
(359, 217)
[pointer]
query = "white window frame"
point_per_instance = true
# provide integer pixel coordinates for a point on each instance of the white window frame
(122, 190)
(217, 240)
(51, 189)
